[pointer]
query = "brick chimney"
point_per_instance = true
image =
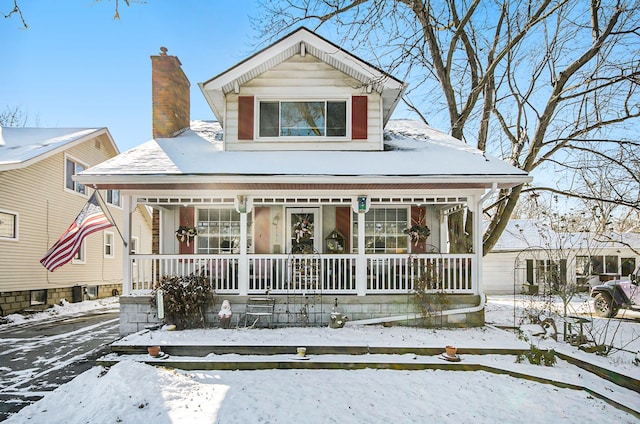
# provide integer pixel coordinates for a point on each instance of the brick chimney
(170, 96)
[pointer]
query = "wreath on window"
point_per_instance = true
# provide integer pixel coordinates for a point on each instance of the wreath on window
(418, 233)
(303, 229)
(185, 234)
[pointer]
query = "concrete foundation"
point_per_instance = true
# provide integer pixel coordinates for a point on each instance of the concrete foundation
(137, 312)
(20, 301)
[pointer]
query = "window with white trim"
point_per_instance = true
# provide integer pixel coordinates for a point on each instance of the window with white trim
(80, 255)
(219, 231)
(8, 225)
(384, 230)
(113, 197)
(71, 168)
(108, 244)
(302, 118)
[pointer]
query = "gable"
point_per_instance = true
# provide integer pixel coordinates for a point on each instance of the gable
(342, 103)
(325, 69)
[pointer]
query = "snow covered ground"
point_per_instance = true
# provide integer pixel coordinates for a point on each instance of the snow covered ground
(131, 392)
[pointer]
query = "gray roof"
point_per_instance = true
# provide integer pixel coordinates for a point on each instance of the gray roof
(411, 150)
(21, 146)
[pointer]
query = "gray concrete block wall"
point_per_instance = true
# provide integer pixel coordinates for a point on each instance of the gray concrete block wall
(137, 313)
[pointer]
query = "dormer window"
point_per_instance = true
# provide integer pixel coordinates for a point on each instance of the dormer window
(295, 120)
(314, 118)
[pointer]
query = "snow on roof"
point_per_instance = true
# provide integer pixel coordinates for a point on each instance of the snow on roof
(411, 149)
(21, 144)
(522, 234)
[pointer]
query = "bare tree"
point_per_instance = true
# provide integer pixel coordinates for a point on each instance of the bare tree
(13, 117)
(539, 83)
(17, 11)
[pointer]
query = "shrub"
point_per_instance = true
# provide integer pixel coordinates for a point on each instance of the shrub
(185, 300)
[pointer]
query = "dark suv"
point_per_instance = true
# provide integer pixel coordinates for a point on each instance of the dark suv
(610, 297)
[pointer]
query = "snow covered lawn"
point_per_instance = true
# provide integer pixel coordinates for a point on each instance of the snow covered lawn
(131, 392)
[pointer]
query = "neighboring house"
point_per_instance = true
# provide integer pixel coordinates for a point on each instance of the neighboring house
(531, 257)
(39, 200)
(297, 195)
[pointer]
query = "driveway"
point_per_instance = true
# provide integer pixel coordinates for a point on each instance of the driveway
(37, 357)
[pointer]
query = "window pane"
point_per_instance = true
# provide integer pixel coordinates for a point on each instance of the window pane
(269, 119)
(79, 187)
(628, 266)
(611, 264)
(336, 119)
(302, 119)
(69, 171)
(7, 225)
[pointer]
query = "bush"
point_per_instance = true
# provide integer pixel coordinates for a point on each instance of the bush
(538, 356)
(185, 300)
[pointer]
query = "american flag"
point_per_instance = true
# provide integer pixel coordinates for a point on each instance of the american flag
(89, 220)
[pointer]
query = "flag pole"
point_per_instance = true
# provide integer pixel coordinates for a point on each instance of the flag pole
(106, 209)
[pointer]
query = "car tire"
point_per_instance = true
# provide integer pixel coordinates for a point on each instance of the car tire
(603, 306)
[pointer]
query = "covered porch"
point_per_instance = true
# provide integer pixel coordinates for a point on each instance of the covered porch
(358, 245)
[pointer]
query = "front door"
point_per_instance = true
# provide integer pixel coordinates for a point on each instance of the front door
(303, 230)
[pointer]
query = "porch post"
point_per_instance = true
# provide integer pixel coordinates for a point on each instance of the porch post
(127, 207)
(360, 206)
(243, 261)
(476, 276)
(361, 261)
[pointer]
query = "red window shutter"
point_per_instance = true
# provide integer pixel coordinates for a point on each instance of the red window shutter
(245, 118)
(187, 217)
(359, 119)
(343, 224)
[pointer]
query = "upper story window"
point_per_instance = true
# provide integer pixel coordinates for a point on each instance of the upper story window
(317, 118)
(113, 197)
(306, 120)
(71, 168)
(8, 225)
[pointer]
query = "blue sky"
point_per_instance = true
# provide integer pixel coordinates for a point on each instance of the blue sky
(75, 66)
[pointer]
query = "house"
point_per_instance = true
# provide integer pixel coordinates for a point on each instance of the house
(39, 200)
(532, 257)
(296, 195)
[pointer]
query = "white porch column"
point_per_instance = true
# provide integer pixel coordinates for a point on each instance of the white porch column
(476, 274)
(243, 261)
(127, 209)
(361, 261)
(360, 207)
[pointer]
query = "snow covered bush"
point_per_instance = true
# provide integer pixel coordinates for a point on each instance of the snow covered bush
(186, 299)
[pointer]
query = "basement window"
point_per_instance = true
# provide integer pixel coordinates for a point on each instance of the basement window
(38, 297)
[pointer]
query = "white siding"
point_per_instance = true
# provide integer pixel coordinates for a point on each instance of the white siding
(46, 210)
(299, 77)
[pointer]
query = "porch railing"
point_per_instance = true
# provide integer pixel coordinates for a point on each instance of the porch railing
(331, 274)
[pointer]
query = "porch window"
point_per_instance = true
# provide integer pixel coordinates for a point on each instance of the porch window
(73, 167)
(303, 118)
(384, 230)
(219, 231)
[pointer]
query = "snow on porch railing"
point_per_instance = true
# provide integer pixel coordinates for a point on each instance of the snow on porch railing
(220, 270)
(450, 273)
(285, 274)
